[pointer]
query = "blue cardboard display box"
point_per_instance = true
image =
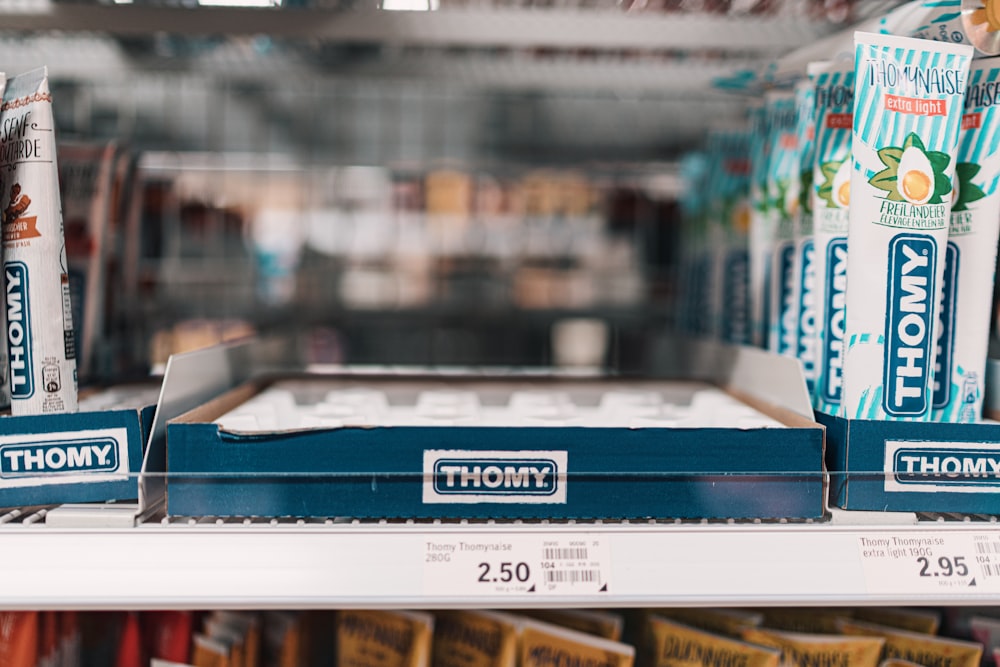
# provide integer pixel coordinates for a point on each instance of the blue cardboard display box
(89, 456)
(913, 466)
(522, 472)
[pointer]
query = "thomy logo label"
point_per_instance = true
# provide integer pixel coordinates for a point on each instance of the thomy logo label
(921, 466)
(908, 325)
(786, 300)
(19, 338)
(736, 297)
(806, 347)
(833, 335)
(470, 476)
(48, 457)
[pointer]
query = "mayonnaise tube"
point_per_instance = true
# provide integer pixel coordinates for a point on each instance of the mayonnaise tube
(40, 339)
(4, 368)
(712, 240)
(729, 212)
(782, 204)
(908, 103)
(831, 196)
(971, 253)
(760, 237)
(695, 307)
(805, 348)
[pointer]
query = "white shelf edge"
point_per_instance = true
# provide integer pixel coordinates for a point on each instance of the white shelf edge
(369, 565)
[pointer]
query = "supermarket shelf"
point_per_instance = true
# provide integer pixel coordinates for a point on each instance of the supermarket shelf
(92, 59)
(511, 27)
(207, 562)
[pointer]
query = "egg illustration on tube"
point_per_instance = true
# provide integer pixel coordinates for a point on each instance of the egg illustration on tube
(915, 177)
(842, 185)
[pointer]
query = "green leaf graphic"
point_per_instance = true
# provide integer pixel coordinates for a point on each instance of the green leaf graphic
(968, 191)
(891, 156)
(884, 180)
(942, 188)
(913, 140)
(939, 161)
(966, 170)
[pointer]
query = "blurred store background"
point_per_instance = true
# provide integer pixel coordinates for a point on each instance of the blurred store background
(418, 182)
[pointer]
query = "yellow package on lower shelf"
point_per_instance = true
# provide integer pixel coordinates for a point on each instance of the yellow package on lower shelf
(917, 647)
(799, 648)
(384, 639)
(546, 645)
(475, 639)
(673, 644)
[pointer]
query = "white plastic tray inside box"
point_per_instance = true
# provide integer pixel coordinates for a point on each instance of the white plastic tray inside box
(120, 397)
(291, 405)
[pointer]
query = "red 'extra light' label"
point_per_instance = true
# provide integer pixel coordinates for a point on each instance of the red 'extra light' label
(972, 121)
(840, 121)
(916, 106)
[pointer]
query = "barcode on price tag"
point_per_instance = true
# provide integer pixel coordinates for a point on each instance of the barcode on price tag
(575, 564)
(572, 576)
(470, 564)
(988, 555)
(565, 553)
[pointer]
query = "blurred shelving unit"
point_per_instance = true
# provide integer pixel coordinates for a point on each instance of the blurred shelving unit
(530, 85)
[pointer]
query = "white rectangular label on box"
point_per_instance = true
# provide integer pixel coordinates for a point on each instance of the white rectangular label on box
(522, 564)
(34, 459)
(458, 476)
(918, 466)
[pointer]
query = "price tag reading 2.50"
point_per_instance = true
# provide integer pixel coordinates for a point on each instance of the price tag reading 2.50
(506, 573)
(523, 564)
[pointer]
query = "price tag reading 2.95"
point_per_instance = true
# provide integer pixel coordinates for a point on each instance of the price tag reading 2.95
(519, 564)
(943, 566)
(945, 562)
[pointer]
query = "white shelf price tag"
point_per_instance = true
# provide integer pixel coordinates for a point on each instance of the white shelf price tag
(481, 564)
(931, 562)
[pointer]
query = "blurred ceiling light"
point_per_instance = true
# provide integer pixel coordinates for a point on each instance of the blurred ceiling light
(240, 3)
(410, 5)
